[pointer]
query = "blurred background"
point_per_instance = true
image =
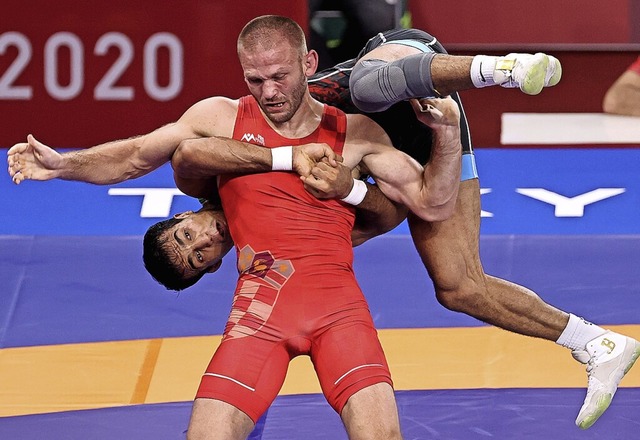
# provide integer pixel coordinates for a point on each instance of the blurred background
(93, 71)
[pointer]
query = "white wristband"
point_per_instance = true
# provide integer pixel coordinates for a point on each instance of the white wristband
(357, 193)
(282, 158)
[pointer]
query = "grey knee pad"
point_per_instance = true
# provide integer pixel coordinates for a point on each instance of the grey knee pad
(376, 85)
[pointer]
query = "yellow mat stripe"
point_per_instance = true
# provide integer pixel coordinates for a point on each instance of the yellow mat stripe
(97, 375)
(146, 371)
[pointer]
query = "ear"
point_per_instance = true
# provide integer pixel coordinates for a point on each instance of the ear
(183, 214)
(310, 63)
(215, 267)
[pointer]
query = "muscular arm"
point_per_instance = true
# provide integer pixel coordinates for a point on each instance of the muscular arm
(430, 191)
(121, 160)
(442, 171)
(207, 157)
(196, 162)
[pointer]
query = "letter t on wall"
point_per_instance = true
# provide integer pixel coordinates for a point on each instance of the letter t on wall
(156, 202)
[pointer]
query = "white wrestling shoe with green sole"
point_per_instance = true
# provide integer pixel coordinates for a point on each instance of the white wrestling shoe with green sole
(530, 73)
(608, 357)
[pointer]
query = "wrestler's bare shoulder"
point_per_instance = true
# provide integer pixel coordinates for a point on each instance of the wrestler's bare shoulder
(216, 104)
(213, 116)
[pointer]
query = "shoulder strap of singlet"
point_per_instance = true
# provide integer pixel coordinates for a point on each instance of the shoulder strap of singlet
(333, 128)
(246, 117)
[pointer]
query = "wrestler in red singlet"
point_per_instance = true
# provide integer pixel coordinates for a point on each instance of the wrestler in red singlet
(296, 293)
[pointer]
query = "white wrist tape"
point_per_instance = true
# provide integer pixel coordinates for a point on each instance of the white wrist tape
(282, 158)
(357, 193)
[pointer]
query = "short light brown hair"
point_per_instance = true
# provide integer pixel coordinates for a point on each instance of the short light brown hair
(268, 31)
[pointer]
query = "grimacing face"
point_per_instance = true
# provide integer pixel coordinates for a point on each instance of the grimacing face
(199, 241)
(276, 78)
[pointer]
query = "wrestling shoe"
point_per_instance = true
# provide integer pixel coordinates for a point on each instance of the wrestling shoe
(529, 73)
(554, 72)
(608, 357)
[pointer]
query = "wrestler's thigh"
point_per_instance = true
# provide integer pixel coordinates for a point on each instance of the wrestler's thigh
(348, 358)
(372, 413)
(247, 373)
(450, 249)
(214, 419)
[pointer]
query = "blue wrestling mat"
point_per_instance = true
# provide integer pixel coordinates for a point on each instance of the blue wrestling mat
(523, 414)
(561, 222)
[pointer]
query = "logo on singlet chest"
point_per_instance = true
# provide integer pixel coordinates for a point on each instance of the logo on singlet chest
(253, 138)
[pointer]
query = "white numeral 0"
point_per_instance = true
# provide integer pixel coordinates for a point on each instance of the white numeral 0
(151, 66)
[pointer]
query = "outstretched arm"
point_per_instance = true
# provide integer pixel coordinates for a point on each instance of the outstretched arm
(120, 160)
(103, 164)
(430, 191)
